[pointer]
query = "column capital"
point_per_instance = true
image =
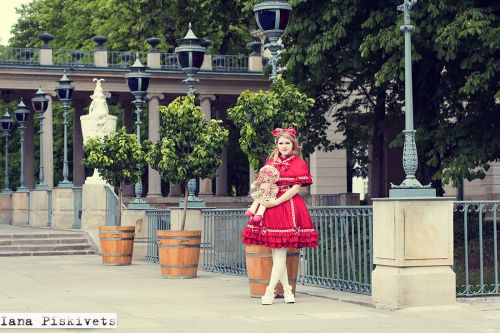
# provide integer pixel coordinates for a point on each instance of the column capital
(151, 96)
(211, 98)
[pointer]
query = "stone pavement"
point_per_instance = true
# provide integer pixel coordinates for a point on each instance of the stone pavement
(144, 302)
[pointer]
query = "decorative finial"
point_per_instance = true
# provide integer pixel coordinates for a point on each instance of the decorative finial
(189, 25)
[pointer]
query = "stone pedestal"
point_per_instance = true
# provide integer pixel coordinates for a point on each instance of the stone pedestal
(5, 209)
(255, 63)
(139, 219)
(101, 58)
(413, 252)
(63, 208)
(93, 210)
(40, 204)
(20, 208)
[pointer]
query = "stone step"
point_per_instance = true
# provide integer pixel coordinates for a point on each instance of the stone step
(44, 247)
(45, 253)
(28, 241)
(44, 236)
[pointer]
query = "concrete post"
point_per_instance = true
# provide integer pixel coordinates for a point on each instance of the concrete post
(154, 179)
(154, 60)
(46, 56)
(207, 62)
(101, 58)
(255, 63)
(413, 252)
(221, 179)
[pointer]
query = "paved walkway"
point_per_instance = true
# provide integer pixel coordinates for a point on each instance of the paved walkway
(211, 303)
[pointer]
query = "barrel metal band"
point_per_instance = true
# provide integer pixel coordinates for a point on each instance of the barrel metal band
(179, 266)
(178, 237)
(117, 231)
(111, 238)
(178, 246)
(116, 255)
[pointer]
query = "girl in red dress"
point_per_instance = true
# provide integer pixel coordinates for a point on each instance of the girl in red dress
(286, 222)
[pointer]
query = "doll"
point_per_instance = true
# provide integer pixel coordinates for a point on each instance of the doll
(266, 190)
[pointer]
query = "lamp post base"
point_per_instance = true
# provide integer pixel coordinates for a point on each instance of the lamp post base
(139, 203)
(41, 187)
(6, 191)
(65, 184)
(22, 189)
(412, 192)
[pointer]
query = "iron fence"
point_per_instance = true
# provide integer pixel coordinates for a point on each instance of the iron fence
(77, 203)
(476, 247)
(24, 56)
(169, 61)
(73, 58)
(222, 250)
(230, 63)
(120, 59)
(112, 207)
(157, 220)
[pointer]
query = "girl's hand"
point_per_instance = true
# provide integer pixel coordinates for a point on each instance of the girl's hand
(270, 203)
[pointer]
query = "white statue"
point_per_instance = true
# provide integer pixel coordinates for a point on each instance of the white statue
(97, 123)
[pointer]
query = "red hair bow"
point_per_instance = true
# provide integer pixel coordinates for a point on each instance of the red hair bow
(290, 130)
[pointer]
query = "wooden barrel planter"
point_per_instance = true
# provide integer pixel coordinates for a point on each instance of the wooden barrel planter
(259, 265)
(179, 253)
(117, 244)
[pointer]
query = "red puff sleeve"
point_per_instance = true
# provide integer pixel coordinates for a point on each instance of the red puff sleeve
(301, 172)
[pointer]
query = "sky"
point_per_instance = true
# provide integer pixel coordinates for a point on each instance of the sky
(8, 17)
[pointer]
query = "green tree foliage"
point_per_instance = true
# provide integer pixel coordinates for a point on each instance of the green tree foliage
(256, 114)
(118, 157)
(128, 24)
(349, 54)
(189, 146)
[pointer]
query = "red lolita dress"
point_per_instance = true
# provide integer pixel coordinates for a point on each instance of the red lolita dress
(289, 224)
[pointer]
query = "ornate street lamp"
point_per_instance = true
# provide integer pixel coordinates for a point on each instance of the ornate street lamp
(64, 92)
(190, 56)
(6, 128)
(138, 83)
(21, 114)
(410, 187)
(272, 18)
(40, 104)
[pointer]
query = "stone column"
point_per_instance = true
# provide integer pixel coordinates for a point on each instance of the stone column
(206, 108)
(221, 180)
(78, 168)
(413, 252)
(154, 59)
(48, 145)
(154, 179)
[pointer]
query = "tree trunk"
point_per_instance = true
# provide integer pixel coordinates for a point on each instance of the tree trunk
(186, 194)
(377, 177)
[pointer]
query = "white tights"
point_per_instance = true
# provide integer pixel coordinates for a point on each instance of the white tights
(279, 271)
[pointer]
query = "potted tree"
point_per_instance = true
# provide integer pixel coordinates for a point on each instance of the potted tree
(189, 147)
(119, 158)
(256, 114)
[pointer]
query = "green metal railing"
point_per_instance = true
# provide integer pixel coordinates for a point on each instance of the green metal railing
(112, 207)
(222, 250)
(476, 247)
(121, 59)
(343, 260)
(77, 202)
(74, 58)
(169, 61)
(230, 63)
(157, 220)
(23, 56)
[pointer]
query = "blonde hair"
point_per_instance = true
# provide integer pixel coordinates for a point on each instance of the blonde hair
(295, 150)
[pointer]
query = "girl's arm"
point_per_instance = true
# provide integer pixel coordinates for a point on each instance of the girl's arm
(290, 193)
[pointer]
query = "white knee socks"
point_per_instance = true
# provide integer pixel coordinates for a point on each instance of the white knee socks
(279, 271)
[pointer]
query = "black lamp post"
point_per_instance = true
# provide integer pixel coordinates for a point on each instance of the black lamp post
(138, 83)
(7, 124)
(40, 104)
(190, 56)
(21, 114)
(272, 18)
(64, 92)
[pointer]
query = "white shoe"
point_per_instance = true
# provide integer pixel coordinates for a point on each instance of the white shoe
(268, 297)
(288, 294)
